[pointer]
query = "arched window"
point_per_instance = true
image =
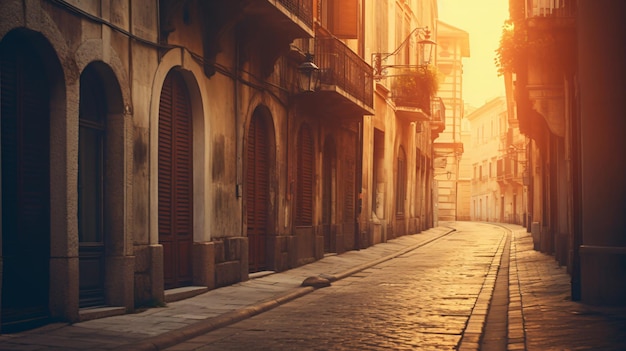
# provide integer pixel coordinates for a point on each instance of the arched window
(257, 191)
(176, 181)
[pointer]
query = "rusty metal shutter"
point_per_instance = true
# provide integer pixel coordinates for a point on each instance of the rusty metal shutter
(257, 193)
(25, 141)
(304, 182)
(175, 182)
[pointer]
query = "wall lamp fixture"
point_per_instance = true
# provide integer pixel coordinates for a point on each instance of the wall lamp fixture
(308, 74)
(426, 43)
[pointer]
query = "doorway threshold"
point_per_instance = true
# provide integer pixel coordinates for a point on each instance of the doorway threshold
(184, 292)
(260, 274)
(89, 313)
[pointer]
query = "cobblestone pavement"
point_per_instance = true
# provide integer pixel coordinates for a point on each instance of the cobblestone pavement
(420, 300)
(424, 292)
(157, 328)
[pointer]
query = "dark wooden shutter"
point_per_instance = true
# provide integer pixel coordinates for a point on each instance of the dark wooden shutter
(175, 182)
(401, 184)
(349, 182)
(304, 196)
(257, 193)
(329, 166)
(165, 180)
(25, 188)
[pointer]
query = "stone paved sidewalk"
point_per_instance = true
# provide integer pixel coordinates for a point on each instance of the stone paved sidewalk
(542, 315)
(157, 328)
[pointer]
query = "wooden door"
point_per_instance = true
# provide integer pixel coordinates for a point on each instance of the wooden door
(175, 182)
(25, 189)
(90, 190)
(257, 194)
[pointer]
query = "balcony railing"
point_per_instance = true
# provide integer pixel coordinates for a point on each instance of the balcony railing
(437, 110)
(550, 8)
(303, 9)
(343, 68)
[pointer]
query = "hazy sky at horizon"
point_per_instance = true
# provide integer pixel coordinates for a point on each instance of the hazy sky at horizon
(483, 20)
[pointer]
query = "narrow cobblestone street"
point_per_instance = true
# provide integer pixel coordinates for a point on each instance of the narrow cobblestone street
(420, 300)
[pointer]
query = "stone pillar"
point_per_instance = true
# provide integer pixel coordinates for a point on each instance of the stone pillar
(204, 264)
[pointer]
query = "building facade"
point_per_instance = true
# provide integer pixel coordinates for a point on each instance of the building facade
(453, 46)
(183, 151)
(495, 156)
(569, 81)
(398, 136)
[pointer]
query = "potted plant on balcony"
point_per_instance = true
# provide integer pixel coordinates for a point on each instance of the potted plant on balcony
(415, 87)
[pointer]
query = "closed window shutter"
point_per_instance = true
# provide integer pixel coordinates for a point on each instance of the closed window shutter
(165, 163)
(345, 18)
(304, 196)
(257, 196)
(175, 182)
(183, 159)
(401, 184)
(349, 164)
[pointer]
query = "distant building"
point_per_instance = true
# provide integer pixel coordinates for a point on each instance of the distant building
(453, 46)
(495, 156)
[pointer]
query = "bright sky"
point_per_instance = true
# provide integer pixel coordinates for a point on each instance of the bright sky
(483, 20)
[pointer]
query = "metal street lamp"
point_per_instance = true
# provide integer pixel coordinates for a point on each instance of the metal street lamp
(308, 74)
(426, 43)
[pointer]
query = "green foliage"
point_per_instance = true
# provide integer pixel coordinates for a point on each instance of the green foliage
(516, 46)
(415, 87)
(510, 49)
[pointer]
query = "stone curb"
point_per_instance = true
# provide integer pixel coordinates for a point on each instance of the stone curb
(471, 337)
(175, 337)
(401, 252)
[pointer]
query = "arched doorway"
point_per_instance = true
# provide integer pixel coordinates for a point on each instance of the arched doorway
(91, 155)
(101, 190)
(25, 188)
(175, 172)
(257, 188)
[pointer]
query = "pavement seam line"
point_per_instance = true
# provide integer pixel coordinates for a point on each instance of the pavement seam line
(516, 328)
(476, 322)
(377, 261)
(498, 311)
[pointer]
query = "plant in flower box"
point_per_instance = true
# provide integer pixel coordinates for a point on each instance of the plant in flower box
(415, 87)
